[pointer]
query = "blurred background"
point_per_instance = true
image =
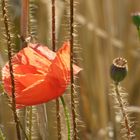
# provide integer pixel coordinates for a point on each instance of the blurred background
(104, 31)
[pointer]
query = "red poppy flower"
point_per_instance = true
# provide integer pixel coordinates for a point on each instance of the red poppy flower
(40, 74)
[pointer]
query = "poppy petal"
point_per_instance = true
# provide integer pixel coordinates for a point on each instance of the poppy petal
(40, 92)
(43, 50)
(54, 83)
(29, 79)
(40, 74)
(29, 56)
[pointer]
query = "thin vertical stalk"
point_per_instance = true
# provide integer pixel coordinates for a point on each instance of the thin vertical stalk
(54, 49)
(124, 113)
(24, 29)
(138, 28)
(66, 116)
(53, 26)
(23, 130)
(24, 23)
(71, 67)
(58, 119)
(30, 122)
(9, 48)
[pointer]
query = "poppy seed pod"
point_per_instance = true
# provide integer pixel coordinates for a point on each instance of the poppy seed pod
(136, 19)
(118, 69)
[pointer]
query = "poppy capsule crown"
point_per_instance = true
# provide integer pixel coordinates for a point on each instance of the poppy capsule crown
(40, 74)
(118, 70)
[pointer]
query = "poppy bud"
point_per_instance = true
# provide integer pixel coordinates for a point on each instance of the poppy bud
(136, 19)
(118, 69)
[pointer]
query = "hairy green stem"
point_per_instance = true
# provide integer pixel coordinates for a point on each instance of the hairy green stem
(21, 127)
(124, 113)
(24, 31)
(53, 26)
(138, 32)
(9, 48)
(54, 49)
(58, 119)
(24, 22)
(30, 122)
(67, 116)
(71, 68)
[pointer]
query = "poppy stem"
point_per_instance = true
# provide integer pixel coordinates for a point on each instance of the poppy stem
(71, 68)
(58, 119)
(20, 125)
(9, 48)
(24, 21)
(54, 49)
(24, 31)
(53, 26)
(138, 32)
(67, 116)
(26, 137)
(123, 111)
(30, 122)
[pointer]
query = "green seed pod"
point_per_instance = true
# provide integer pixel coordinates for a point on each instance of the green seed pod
(118, 70)
(136, 19)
